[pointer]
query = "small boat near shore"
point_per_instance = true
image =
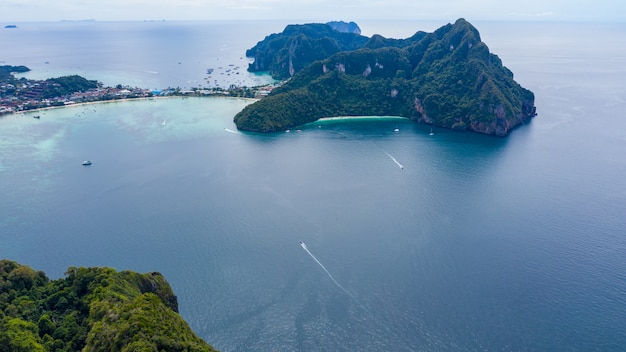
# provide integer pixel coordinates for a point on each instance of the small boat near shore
(86, 162)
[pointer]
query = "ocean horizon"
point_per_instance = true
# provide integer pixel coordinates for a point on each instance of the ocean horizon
(345, 234)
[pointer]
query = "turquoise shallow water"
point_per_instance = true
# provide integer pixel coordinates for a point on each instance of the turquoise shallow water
(477, 243)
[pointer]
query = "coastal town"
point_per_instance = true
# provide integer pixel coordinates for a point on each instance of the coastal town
(20, 94)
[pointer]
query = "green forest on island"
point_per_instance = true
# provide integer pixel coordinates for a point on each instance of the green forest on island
(90, 309)
(447, 78)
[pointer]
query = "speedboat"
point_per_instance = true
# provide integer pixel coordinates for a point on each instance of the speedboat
(86, 163)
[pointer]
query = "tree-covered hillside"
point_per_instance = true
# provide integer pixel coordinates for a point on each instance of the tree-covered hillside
(285, 53)
(6, 72)
(447, 78)
(91, 309)
(66, 85)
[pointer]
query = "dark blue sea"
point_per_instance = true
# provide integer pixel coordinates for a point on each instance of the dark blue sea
(413, 242)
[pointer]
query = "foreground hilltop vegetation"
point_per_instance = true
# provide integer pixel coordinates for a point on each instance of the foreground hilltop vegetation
(447, 78)
(91, 309)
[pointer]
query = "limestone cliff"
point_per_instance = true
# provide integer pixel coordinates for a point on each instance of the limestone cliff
(345, 27)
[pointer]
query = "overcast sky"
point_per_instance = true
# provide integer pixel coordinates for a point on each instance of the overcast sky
(311, 10)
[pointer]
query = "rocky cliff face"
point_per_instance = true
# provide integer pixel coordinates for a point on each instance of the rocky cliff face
(345, 27)
(446, 78)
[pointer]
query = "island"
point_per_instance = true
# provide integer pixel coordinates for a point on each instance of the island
(90, 309)
(21, 94)
(447, 78)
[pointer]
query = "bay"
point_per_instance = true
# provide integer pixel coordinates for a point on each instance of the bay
(477, 243)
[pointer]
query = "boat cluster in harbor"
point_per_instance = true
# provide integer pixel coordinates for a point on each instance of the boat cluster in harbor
(229, 70)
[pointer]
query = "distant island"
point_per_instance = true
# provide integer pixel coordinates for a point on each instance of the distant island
(447, 78)
(90, 309)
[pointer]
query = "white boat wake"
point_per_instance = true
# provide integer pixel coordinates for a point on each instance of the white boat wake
(395, 161)
(303, 245)
(231, 131)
